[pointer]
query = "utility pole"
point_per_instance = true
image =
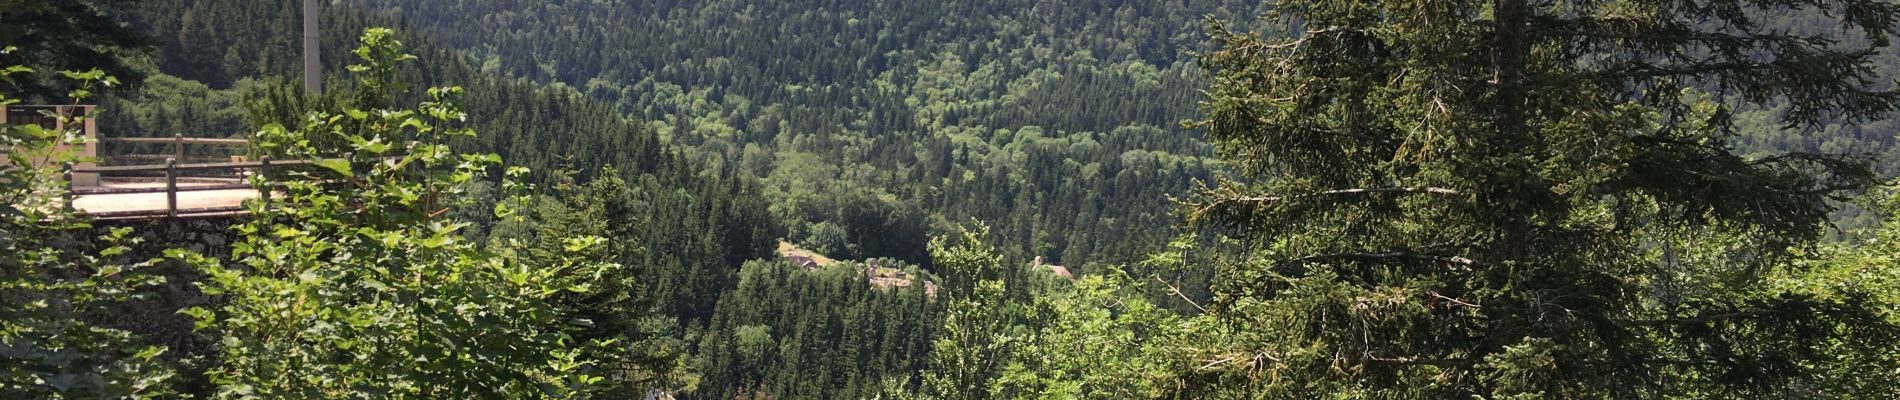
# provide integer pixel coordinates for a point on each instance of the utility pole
(312, 67)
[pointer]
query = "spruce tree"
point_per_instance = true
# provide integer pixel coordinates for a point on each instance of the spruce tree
(1492, 199)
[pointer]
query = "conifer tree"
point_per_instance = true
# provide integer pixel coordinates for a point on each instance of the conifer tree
(69, 35)
(1490, 198)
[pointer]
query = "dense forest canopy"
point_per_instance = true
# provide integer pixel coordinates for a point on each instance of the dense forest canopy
(69, 35)
(971, 199)
(993, 110)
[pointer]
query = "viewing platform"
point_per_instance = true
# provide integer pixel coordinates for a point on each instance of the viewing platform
(152, 199)
(152, 177)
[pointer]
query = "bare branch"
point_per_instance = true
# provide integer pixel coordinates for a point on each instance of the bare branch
(1183, 296)
(1340, 192)
(1255, 360)
(1645, 71)
(1210, 207)
(1454, 301)
(1217, 362)
(1441, 362)
(1383, 256)
(1311, 33)
(1749, 314)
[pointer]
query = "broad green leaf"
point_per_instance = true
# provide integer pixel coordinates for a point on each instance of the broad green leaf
(339, 166)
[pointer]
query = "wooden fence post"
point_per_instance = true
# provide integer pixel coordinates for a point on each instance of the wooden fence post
(171, 187)
(263, 178)
(178, 146)
(67, 170)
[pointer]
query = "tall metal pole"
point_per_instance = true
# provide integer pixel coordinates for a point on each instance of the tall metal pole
(312, 68)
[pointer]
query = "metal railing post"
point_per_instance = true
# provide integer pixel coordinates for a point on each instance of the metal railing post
(263, 179)
(171, 187)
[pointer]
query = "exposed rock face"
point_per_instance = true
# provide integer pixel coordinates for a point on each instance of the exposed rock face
(209, 236)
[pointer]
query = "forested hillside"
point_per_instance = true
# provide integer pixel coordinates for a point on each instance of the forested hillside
(1028, 105)
(683, 225)
(970, 199)
(543, 129)
(860, 150)
(1058, 122)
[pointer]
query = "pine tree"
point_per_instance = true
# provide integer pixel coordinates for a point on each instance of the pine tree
(1490, 199)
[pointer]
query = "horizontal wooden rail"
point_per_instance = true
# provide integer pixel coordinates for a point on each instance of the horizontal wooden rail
(161, 157)
(188, 212)
(186, 167)
(176, 140)
(180, 189)
(178, 143)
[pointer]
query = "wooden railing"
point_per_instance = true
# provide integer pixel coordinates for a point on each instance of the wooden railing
(172, 170)
(177, 142)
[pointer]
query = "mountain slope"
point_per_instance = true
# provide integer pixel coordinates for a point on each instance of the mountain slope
(1057, 122)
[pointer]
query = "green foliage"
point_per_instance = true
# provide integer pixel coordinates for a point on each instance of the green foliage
(1020, 333)
(967, 261)
(982, 328)
(1860, 362)
(977, 338)
(165, 105)
(359, 289)
(1598, 205)
(69, 35)
(229, 46)
(1098, 339)
(829, 238)
(1527, 200)
(1055, 121)
(784, 332)
(645, 350)
(57, 282)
